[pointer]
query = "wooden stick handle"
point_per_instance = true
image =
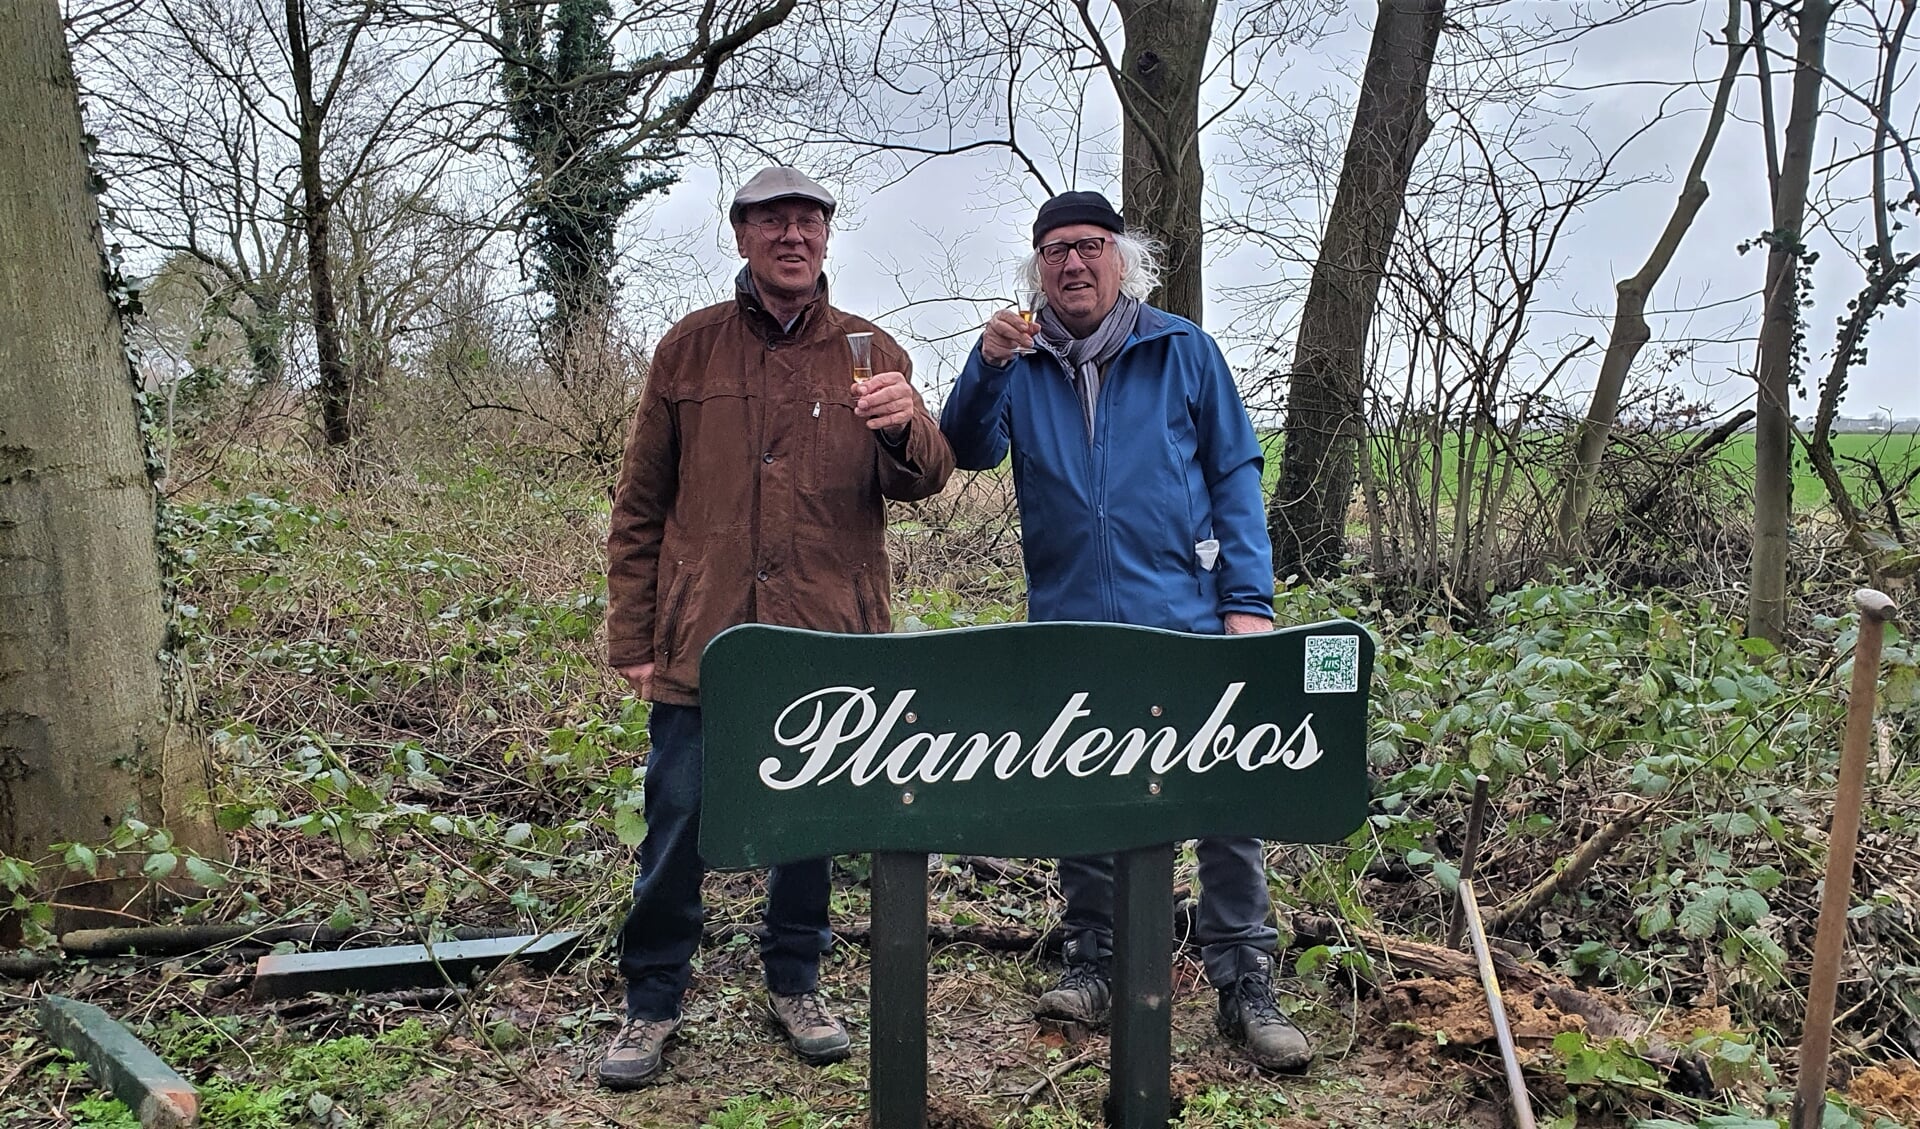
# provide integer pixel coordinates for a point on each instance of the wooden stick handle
(1875, 605)
(1816, 1040)
(1470, 856)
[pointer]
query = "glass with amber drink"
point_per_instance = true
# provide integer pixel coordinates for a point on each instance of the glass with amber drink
(1029, 307)
(861, 345)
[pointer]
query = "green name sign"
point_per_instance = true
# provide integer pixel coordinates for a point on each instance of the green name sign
(1036, 739)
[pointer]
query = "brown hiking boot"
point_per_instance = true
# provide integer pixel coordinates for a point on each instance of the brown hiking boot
(1249, 1015)
(817, 1037)
(634, 1058)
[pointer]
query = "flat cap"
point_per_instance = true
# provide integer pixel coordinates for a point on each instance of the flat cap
(778, 182)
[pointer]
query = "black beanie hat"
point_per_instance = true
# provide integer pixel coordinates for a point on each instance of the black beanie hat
(1076, 207)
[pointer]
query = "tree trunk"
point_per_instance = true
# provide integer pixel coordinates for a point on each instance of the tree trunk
(85, 736)
(1779, 326)
(1326, 400)
(265, 331)
(1159, 89)
(1630, 331)
(337, 419)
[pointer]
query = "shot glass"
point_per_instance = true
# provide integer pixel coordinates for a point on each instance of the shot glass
(861, 345)
(1029, 307)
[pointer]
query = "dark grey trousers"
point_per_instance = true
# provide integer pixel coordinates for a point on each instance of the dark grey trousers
(1232, 929)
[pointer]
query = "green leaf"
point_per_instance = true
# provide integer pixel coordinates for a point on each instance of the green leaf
(1583, 1068)
(79, 856)
(1657, 920)
(232, 817)
(1309, 962)
(159, 865)
(630, 826)
(203, 872)
(1744, 907)
(1700, 917)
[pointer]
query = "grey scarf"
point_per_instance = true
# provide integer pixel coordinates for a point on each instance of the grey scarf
(1086, 357)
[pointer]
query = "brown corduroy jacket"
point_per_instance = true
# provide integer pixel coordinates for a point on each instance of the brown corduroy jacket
(751, 493)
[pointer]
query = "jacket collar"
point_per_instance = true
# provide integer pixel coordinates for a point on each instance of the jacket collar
(1151, 323)
(747, 297)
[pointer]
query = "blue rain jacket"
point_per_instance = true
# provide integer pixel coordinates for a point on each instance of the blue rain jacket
(1111, 524)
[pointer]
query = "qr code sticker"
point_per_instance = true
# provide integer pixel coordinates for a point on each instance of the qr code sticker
(1333, 664)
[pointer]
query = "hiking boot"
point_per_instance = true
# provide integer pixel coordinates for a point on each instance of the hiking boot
(634, 1058)
(1084, 994)
(1248, 1015)
(818, 1038)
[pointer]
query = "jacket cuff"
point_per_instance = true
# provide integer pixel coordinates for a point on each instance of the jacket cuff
(903, 453)
(896, 448)
(1246, 607)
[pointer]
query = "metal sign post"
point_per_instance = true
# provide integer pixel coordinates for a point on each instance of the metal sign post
(899, 989)
(1139, 1095)
(1028, 740)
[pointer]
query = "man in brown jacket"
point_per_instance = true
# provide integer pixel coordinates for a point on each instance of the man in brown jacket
(752, 491)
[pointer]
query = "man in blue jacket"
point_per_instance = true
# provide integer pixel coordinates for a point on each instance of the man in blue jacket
(1138, 475)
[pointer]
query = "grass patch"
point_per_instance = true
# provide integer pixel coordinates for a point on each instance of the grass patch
(1896, 453)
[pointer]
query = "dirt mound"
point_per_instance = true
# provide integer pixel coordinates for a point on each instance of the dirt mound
(1893, 1090)
(1455, 1011)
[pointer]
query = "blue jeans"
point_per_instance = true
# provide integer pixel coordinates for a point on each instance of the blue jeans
(662, 930)
(1232, 928)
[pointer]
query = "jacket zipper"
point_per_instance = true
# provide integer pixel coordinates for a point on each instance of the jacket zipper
(1097, 479)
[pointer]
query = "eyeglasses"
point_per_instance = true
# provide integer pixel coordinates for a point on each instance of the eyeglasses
(810, 228)
(1088, 249)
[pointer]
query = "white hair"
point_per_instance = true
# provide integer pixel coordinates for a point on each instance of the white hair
(1139, 265)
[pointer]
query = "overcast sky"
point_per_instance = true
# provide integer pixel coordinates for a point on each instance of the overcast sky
(956, 227)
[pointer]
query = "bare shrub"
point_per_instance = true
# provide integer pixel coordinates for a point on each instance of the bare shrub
(965, 540)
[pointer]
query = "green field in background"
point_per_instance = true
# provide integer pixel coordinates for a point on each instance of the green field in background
(1897, 455)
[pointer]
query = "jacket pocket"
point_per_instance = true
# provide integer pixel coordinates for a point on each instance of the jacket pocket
(667, 645)
(874, 609)
(863, 603)
(1196, 530)
(714, 429)
(838, 452)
